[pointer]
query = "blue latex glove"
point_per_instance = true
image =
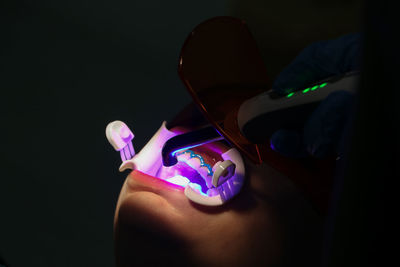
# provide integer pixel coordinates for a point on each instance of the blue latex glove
(323, 131)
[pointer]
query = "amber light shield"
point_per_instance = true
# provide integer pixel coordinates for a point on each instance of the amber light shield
(221, 67)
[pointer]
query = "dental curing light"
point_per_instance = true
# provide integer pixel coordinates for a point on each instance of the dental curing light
(223, 70)
(260, 116)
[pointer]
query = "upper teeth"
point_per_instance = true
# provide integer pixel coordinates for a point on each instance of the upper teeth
(194, 162)
(197, 162)
(215, 176)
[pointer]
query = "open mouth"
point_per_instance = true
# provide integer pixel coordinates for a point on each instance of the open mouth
(211, 174)
(191, 168)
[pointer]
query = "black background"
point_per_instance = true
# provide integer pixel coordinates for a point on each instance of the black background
(70, 67)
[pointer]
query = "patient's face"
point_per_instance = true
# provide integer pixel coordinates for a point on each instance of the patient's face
(268, 223)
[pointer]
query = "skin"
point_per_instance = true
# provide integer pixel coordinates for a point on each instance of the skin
(268, 224)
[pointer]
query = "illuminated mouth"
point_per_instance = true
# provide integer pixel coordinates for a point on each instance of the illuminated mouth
(191, 168)
(205, 185)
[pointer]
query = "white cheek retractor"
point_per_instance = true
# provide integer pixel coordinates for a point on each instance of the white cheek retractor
(226, 189)
(228, 176)
(222, 172)
(120, 137)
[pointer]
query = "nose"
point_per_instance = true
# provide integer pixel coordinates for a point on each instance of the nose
(186, 141)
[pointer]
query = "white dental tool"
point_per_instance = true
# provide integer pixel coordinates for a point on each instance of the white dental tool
(222, 172)
(120, 137)
(260, 116)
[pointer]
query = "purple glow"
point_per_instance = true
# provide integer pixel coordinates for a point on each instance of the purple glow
(121, 137)
(199, 157)
(173, 153)
(125, 132)
(272, 146)
(182, 169)
(197, 187)
(122, 153)
(187, 147)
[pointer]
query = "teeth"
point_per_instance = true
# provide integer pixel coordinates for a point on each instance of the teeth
(179, 180)
(194, 162)
(185, 156)
(203, 171)
(197, 163)
(195, 187)
(209, 182)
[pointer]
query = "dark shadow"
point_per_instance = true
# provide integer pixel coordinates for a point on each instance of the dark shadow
(143, 245)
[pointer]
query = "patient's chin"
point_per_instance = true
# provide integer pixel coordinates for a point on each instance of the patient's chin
(146, 210)
(143, 236)
(151, 228)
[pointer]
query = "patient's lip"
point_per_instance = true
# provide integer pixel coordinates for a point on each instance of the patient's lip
(139, 181)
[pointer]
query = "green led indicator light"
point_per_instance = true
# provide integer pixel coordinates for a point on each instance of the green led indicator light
(306, 90)
(290, 95)
(314, 88)
(323, 85)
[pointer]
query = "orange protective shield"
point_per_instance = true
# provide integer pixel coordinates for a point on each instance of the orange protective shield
(221, 67)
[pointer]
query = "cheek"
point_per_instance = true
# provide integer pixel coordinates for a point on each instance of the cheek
(148, 208)
(235, 237)
(145, 232)
(156, 205)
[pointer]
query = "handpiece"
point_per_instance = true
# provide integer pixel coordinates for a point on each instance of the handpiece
(259, 117)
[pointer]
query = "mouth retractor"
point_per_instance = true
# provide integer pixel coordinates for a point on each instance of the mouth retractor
(120, 137)
(227, 176)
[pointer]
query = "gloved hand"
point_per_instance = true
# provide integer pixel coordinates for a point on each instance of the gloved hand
(322, 133)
